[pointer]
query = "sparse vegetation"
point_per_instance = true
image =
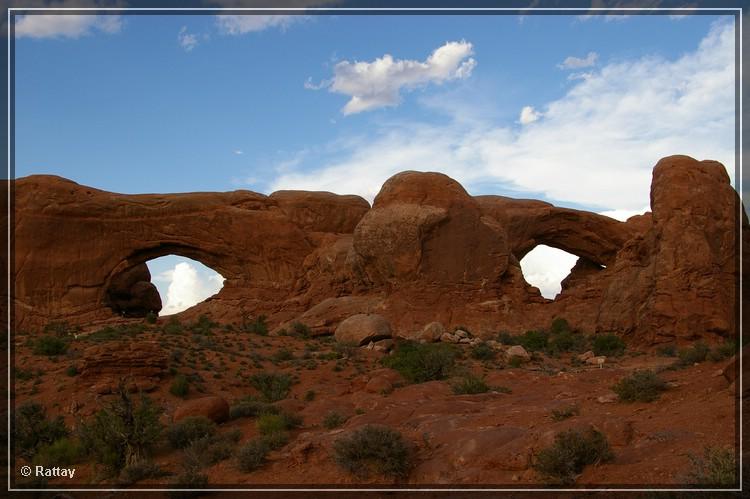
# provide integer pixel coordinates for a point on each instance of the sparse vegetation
(50, 345)
(282, 355)
(419, 362)
(300, 330)
(274, 423)
(257, 326)
(377, 449)
(565, 412)
(667, 351)
(71, 371)
(482, 351)
(572, 451)
(692, 355)
(151, 317)
(250, 408)
(272, 386)
(333, 420)
(641, 386)
(33, 430)
(609, 345)
(723, 351)
(122, 434)
(252, 455)
(470, 384)
(180, 386)
(717, 468)
(186, 431)
(140, 471)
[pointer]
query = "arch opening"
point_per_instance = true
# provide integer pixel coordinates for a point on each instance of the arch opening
(182, 282)
(546, 268)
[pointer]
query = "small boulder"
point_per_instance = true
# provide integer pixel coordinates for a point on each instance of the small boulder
(461, 333)
(360, 329)
(214, 408)
(383, 345)
(518, 351)
(449, 338)
(607, 398)
(596, 361)
(585, 356)
(431, 333)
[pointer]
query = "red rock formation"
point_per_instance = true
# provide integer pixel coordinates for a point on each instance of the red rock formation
(425, 252)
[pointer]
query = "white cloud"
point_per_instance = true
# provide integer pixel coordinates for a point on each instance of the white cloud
(596, 146)
(545, 267)
(241, 24)
(64, 25)
(623, 215)
(187, 287)
(238, 152)
(376, 84)
(187, 41)
(578, 63)
(528, 115)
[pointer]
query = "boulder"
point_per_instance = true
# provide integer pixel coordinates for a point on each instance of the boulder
(430, 333)
(518, 351)
(360, 329)
(214, 408)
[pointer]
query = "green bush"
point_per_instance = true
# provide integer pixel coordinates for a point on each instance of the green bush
(50, 345)
(258, 326)
(139, 471)
(565, 412)
(300, 330)
(717, 468)
(190, 478)
(184, 432)
(273, 386)
(180, 386)
(373, 448)
(33, 430)
(667, 351)
(565, 340)
(273, 423)
(723, 351)
(203, 326)
(532, 341)
(333, 420)
(420, 362)
(250, 408)
(61, 452)
(515, 361)
(123, 433)
(151, 317)
(173, 326)
(282, 354)
(559, 325)
(60, 329)
(71, 371)
(276, 440)
(572, 451)
(641, 386)
(482, 351)
(610, 345)
(470, 384)
(692, 355)
(209, 450)
(252, 455)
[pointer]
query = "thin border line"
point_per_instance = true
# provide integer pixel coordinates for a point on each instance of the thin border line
(736, 10)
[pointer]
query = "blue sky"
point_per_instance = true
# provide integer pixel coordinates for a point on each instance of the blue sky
(156, 103)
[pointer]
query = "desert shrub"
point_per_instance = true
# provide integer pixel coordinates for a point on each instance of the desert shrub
(482, 351)
(565, 340)
(572, 451)
(723, 351)
(333, 420)
(23, 374)
(71, 371)
(282, 354)
(151, 317)
(273, 423)
(515, 361)
(258, 326)
(180, 386)
(559, 325)
(60, 329)
(310, 395)
(641, 386)
(208, 450)
(420, 362)
(33, 430)
(273, 386)
(667, 351)
(250, 408)
(252, 455)
(139, 471)
(173, 326)
(697, 353)
(190, 478)
(203, 326)
(565, 412)
(532, 341)
(185, 431)
(50, 345)
(470, 384)
(276, 440)
(300, 330)
(373, 448)
(610, 345)
(122, 434)
(61, 452)
(717, 468)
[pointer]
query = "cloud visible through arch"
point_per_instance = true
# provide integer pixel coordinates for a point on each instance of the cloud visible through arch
(183, 285)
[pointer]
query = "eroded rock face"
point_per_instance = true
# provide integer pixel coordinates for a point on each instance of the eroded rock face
(140, 365)
(426, 252)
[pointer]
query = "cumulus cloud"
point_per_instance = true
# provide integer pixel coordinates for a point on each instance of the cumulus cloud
(596, 145)
(65, 25)
(187, 41)
(187, 287)
(376, 84)
(528, 115)
(241, 24)
(578, 63)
